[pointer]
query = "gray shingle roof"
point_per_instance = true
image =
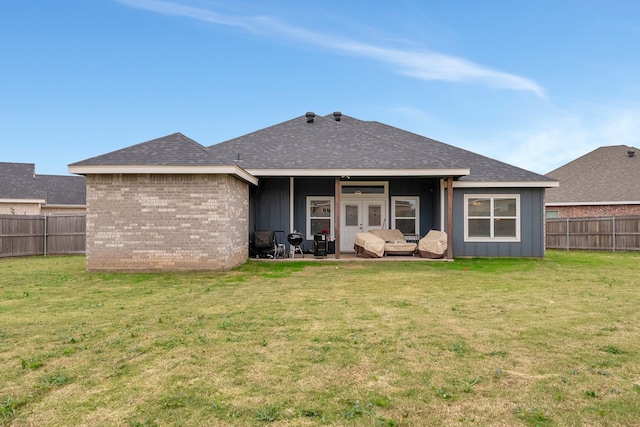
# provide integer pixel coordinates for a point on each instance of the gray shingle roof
(64, 190)
(356, 144)
(19, 181)
(606, 174)
(175, 149)
(482, 168)
(324, 143)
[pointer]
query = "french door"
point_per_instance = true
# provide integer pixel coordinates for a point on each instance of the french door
(360, 215)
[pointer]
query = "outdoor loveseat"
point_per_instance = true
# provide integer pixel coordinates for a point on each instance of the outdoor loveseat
(377, 243)
(394, 242)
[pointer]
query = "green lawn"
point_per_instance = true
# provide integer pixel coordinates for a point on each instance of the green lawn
(537, 342)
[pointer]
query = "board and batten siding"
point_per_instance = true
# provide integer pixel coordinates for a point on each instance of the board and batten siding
(428, 189)
(532, 239)
(303, 188)
(270, 200)
(425, 188)
(270, 206)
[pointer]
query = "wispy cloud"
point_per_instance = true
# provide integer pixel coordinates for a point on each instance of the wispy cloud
(421, 65)
(571, 135)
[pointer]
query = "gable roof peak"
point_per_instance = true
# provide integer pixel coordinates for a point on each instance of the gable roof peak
(172, 149)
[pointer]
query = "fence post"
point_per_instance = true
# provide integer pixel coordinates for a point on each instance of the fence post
(567, 234)
(613, 225)
(44, 250)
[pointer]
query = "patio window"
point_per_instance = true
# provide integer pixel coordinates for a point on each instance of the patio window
(405, 214)
(492, 218)
(319, 216)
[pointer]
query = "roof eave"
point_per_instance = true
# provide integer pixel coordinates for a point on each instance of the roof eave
(29, 201)
(360, 172)
(165, 170)
(505, 184)
(60, 206)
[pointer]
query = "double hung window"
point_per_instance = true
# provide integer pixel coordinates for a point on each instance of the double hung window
(406, 214)
(319, 216)
(492, 218)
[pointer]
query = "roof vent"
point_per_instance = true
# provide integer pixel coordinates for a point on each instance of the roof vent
(337, 116)
(631, 153)
(310, 116)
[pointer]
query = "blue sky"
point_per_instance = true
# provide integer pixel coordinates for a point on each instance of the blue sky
(535, 84)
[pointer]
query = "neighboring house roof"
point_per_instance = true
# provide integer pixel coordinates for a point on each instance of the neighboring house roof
(607, 175)
(64, 190)
(19, 182)
(310, 145)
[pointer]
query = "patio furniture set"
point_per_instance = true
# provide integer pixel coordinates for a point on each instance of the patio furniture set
(380, 243)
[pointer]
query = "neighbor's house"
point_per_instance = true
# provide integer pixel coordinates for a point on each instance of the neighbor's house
(23, 192)
(604, 182)
(171, 203)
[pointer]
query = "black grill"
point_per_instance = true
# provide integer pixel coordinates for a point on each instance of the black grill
(295, 240)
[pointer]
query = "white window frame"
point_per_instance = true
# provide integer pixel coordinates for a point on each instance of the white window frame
(308, 214)
(492, 198)
(393, 210)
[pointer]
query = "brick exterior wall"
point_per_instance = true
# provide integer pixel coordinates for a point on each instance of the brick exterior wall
(166, 222)
(595, 211)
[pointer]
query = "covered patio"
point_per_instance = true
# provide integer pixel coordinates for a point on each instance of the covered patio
(351, 257)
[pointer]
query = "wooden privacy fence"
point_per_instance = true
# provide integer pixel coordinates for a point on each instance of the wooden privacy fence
(605, 234)
(22, 235)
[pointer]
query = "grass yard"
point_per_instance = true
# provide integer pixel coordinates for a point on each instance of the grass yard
(476, 342)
